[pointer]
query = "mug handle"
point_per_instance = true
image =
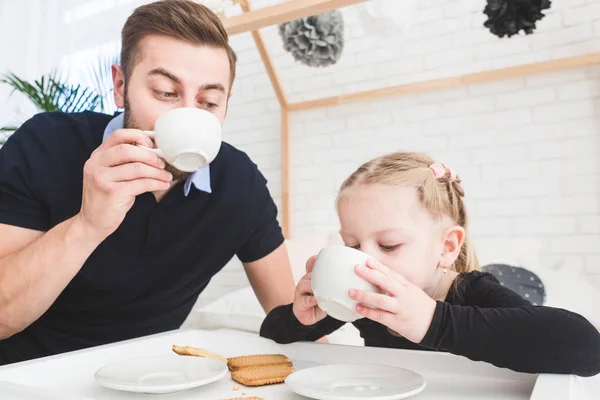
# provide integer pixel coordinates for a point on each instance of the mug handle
(155, 151)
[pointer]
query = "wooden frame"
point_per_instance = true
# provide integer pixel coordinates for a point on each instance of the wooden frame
(445, 83)
(285, 123)
(280, 13)
(295, 9)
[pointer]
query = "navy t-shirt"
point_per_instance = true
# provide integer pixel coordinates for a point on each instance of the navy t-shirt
(147, 275)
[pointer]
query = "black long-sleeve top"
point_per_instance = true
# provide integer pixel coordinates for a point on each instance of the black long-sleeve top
(481, 320)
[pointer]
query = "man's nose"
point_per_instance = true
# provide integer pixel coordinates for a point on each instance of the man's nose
(189, 101)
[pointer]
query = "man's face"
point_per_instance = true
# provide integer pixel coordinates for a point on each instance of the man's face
(170, 74)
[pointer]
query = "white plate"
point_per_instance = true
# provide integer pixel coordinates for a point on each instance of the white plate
(164, 374)
(356, 381)
(15, 391)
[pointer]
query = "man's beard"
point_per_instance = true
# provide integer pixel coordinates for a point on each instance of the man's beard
(130, 123)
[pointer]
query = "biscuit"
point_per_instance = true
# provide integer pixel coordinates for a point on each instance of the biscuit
(257, 360)
(197, 352)
(246, 398)
(262, 375)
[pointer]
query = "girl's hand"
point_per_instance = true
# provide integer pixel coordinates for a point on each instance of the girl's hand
(305, 305)
(405, 309)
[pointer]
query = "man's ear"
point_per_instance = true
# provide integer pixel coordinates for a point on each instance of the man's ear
(453, 240)
(118, 78)
(227, 101)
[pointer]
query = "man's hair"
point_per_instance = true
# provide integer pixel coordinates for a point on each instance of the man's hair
(180, 19)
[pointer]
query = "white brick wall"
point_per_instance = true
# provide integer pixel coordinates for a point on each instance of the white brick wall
(527, 149)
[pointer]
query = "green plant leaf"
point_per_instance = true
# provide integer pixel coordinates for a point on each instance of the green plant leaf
(5, 129)
(78, 98)
(44, 92)
(31, 91)
(54, 93)
(99, 74)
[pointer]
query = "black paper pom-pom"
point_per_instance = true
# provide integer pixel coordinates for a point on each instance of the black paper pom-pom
(508, 17)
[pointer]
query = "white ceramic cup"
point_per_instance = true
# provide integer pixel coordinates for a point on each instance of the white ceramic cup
(188, 138)
(333, 275)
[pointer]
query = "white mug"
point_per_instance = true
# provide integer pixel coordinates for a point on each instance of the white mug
(333, 276)
(188, 138)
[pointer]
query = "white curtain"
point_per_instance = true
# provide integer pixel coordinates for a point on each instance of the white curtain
(37, 36)
(20, 23)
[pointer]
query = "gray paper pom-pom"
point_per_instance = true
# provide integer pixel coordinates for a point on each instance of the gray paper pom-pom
(316, 41)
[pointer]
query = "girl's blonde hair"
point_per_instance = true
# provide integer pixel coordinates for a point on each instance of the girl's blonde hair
(442, 196)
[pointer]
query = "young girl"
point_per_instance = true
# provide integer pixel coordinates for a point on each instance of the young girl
(407, 213)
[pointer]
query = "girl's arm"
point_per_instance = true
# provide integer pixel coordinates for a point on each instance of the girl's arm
(499, 327)
(282, 326)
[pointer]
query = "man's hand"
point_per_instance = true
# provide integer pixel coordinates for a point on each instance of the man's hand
(115, 174)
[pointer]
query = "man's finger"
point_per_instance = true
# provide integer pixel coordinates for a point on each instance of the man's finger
(137, 170)
(131, 136)
(127, 153)
(139, 186)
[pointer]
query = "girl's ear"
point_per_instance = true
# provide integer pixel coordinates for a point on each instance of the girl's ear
(452, 242)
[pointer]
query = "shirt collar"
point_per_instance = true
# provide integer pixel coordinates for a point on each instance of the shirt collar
(200, 178)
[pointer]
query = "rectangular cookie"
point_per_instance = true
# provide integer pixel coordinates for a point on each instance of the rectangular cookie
(257, 360)
(262, 375)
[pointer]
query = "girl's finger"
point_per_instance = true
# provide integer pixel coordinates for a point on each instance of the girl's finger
(309, 301)
(378, 278)
(305, 286)
(310, 263)
(375, 314)
(377, 266)
(374, 300)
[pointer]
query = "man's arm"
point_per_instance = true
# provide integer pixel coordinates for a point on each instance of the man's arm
(36, 267)
(271, 279)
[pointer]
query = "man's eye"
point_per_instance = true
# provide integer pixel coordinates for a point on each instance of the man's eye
(167, 95)
(210, 106)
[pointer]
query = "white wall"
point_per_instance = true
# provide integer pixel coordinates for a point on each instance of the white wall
(527, 149)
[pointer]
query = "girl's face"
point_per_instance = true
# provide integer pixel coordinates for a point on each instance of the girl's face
(390, 224)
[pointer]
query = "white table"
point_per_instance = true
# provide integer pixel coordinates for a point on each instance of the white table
(71, 375)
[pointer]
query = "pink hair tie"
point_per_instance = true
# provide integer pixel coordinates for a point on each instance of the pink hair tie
(452, 174)
(438, 170)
